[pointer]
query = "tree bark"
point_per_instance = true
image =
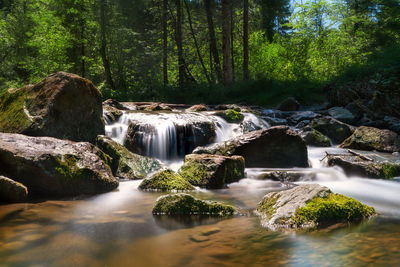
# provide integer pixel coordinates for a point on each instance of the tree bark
(178, 31)
(226, 43)
(103, 48)
(232, 47)
(165, 42)
(213, 40)
(195, 42)
(245, 40)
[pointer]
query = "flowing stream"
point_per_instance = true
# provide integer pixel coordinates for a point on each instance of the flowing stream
(118, 229)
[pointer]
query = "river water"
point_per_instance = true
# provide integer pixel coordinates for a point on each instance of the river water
(118, 229)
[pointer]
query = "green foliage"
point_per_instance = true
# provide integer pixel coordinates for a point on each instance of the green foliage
(184, 204)
(390, 170)
(333, 208)
(230, 115)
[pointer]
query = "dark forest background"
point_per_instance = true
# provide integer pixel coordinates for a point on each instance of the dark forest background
(253, 51)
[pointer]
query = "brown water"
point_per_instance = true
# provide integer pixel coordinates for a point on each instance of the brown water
(118, 229)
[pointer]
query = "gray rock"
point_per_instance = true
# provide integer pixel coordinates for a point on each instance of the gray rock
(337, 131)
(342, 114)
(276, 147)
(289, 104)
(49, 166)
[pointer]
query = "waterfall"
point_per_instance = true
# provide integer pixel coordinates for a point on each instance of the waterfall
(172, 135)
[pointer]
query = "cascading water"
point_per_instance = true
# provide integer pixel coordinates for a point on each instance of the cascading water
(171, 135)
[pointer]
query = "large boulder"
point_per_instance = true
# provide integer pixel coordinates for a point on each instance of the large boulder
(212, 171)
(276, 147)
(185, 204)
(49, 166)
(369, 138)
(309, 206)
(166, 180)
(356, 166)
(126, 164)
(63, 105)
(337, 131)
(12, 191)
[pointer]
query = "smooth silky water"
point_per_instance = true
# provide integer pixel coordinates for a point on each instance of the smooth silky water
(118, 229)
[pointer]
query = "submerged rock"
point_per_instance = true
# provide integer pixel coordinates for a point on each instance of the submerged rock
(289, 104)
(63, 105)
(126, 164)
(276, 147)
(11, 191)
(49, 166)
(230, 115)
(185, 204)
(337, 131)
(356, 166)
(212, 171)
(166, 180)
(313, 137)
(309, 206)
(369, 138)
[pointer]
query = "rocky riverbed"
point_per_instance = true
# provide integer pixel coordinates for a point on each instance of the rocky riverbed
(285, 169)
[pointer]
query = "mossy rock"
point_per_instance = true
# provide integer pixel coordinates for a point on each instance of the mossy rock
(310, 206)
(197, 108)
(13, 117)
(166, 180)
(369, 138)
(126, 164)
(331, 209)
(12, 191)
(315, 138)
(212, 171)
(356, 166)
(185, 204)
(337, 131)
(230, 115)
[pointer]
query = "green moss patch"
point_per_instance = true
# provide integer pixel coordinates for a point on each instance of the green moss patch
(390, 170)
(166, 180)
(195, 173)
(185, 204)
(332, 209)
(12, 115)
(267, 205)
(230, 115)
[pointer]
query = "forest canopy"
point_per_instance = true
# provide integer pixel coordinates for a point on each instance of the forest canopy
(191, 50)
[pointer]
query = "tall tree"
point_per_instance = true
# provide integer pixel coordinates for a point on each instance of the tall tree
(226, 42)
(195, 41)
(274, 14)
(213, 41)
(245, 40)
(103, 47)
(178, 33)
(165, 42)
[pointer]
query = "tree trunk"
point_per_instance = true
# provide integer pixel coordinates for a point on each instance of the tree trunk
(103, 48)
(195, 42)
(226, 43)
(232, 48)
(245, 40)
(178, 32)
(213, 40)
(165, 42)
(83, 65)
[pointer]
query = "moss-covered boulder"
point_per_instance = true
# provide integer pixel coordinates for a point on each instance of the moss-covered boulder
(212, 171)
(185, 204)
(126, 164)
(12, 191)
(230, 115)
(63, 105)
(166, 180)
(313, 137)
(337, 131)
(356, 166)
(49, 166)
(309, 206)
(276, 147)
(369, 138)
